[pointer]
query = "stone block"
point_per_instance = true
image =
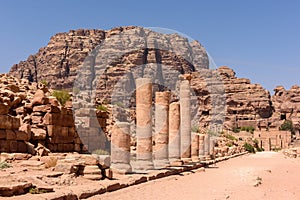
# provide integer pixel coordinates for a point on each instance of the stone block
(16, 123)
(68, 120)
(71, 131)
(2, 134)
(4, 109)
(65, 147)
(41, 108)
(109, 173)
(22, 147)
(64, 132)
(4, 146)
(102, 122)
(53, 130)
(21, 135)
(38, 134)
(11, 135)
(50, 161)
(25, 128)
(39, 98)
(62, 140)
(53, 119)
(92, 169)
(13, 146)
(36, 119)
(67, 167)
(90, 160)
(5, 122)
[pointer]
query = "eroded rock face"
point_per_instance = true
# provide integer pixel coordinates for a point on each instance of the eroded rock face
(246, 103)
(58, 62)
(287, 104)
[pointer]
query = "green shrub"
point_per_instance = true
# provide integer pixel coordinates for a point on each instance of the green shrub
(44, 82)
(196, 129)
(119, 104)
(229, 144)
(34, 190)
(249, 147)
(287, 126)
(4, 165)
(100, 152)
(230, 137)
(61, 96)
(236, 130)
(276, 149)
(249, 129)
(256, 145)
(102, 108)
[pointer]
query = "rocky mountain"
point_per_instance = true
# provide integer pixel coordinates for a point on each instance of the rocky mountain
(242, 103)
(58, 62)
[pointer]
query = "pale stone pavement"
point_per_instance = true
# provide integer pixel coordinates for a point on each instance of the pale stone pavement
(231, 179)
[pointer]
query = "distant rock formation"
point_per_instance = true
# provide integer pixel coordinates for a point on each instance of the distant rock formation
(287, 104)
(246, 103)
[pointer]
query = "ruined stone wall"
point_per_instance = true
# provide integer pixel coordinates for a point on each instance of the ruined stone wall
(31, 117)
(273, 139)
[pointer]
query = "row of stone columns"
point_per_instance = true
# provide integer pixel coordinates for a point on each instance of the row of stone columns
(174, 142)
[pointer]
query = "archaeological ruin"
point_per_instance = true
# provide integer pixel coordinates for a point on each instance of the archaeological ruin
(81, 110)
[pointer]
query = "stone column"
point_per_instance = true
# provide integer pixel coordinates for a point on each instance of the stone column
(211, 146)
(201, 147)
(161, 136)
(195, 147)
(144, 124)
(185, 121)
(267, 146)
(174, 134)
(206, 146)
(120, 148)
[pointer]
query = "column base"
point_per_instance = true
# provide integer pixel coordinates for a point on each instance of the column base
(195, 159)
(202, 158)
(175, 162)
(159, 164)
(142, 166)
(121, 168)
(208, 157)
(186, 160)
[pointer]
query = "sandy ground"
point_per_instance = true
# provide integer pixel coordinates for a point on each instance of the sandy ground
(232, 179)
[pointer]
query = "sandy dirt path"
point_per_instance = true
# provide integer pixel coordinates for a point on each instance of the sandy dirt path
(231, 179)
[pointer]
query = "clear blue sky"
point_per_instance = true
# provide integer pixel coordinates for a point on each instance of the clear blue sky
(259, 39)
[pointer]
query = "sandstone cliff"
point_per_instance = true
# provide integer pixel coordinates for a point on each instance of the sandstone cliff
(58, 62)
(246, 103)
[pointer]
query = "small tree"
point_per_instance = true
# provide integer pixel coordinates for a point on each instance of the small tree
(249, 147)
(287, 126)
(102, 107)
(61, 96)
